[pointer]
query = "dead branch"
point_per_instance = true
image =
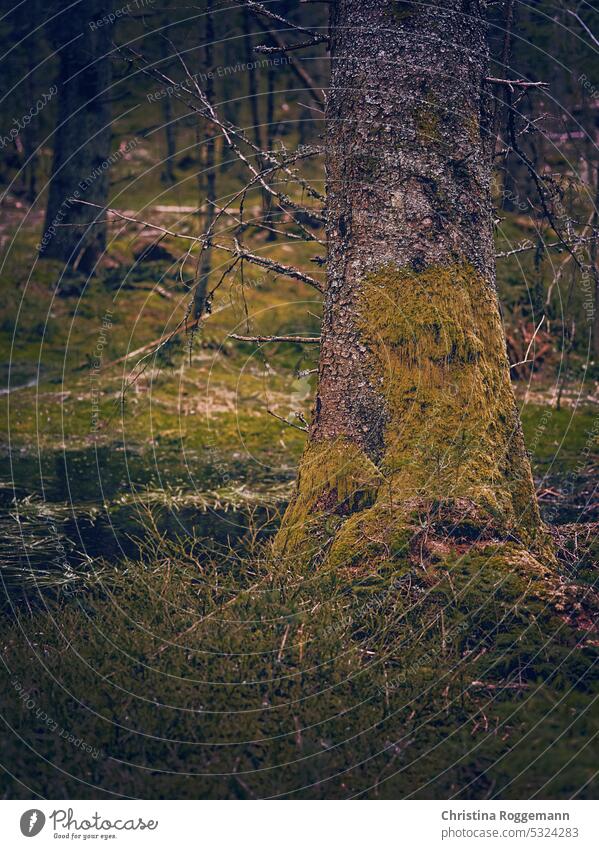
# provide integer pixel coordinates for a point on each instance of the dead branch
(315, 36)
(530, 344)
(289, 424)
(527, 245)
(302, 340)
(297, 68)
(238, 251)
(512, 84)
(230, 133)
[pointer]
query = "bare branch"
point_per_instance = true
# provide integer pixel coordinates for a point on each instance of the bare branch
(296, 66)
(302, 340)
(527, 245)
(231, 133)
(289, 424)
(530, 344)
(512, 84)
(238, 251)
(315, 36)
(286, 48)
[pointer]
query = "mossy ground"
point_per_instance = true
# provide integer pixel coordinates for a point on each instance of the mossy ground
(191, 676)
(197, 671)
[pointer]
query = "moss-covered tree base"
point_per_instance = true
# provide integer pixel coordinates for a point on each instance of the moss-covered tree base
(447, 461)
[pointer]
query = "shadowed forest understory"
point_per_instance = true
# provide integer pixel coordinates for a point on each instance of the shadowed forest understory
(300, 400)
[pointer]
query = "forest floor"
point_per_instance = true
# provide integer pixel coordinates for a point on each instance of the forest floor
(139, 495)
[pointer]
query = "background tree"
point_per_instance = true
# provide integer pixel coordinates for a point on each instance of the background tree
(82, 38)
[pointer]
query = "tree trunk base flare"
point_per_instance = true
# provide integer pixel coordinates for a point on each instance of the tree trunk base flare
(416, 444)
(453, 465)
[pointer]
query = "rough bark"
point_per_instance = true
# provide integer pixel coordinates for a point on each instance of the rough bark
(415, 420)
(80, 167)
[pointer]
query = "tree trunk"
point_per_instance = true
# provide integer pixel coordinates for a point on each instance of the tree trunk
(415, 421)
(207, 174)
(250, 58)
(82, 138)
(167, 175)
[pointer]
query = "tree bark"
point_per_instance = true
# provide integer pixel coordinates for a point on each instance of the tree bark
(415, 419)
(82, 138)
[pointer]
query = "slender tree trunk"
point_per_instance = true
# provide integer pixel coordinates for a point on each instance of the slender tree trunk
(80, 167)
(250, 58)
(415, 420)
(208, 159)
(594, 259)
(170, 137)
(271, 130)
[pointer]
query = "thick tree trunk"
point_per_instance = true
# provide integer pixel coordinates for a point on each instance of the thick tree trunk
(415, 420)
(82, 138)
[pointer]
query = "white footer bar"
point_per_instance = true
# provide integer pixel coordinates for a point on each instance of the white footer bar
(301, 824)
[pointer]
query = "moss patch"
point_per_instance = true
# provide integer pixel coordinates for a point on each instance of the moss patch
(438, 351)
(454, 451)
(335, 479)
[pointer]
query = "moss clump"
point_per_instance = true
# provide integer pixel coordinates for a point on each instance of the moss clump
(335, 479)
(427, 123)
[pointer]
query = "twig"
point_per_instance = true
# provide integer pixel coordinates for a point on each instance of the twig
(297, 68)
(526, 360)
(289, 424)
(530, 246)
(316, 37)
(512, 84)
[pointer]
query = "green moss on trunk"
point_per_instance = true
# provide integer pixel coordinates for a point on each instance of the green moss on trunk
(454, 456)
(335, 478)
